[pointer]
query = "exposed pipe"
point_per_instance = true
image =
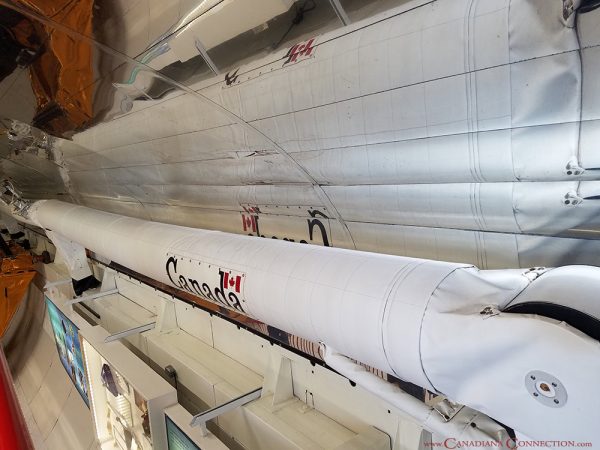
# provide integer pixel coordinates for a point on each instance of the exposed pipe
(467, 425)
(436, 324)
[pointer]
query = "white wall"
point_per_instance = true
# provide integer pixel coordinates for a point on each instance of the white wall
(56, 415)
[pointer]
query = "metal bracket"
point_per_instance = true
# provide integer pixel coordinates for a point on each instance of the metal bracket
(83, 298)
(202, 418)
(574, 168)
(489, 311)
(447, 408)
(534, 272)
(73, 255)
(129, 332)
(568, 9)
(571, 198)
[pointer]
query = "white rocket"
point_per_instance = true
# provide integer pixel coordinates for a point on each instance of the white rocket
(449, 129)
(443, 326)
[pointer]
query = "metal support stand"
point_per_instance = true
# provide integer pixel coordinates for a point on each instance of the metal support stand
(202, 418)
(339, 10)
(83, 298)
(130, 332)
(207, 59)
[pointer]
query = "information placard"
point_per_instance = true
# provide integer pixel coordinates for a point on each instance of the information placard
(66, 335)
(177, 439)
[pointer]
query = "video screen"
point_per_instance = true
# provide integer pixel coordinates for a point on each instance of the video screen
(177, 439)
(66, 335)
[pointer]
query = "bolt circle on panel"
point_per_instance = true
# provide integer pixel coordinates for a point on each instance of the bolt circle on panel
(546, 389)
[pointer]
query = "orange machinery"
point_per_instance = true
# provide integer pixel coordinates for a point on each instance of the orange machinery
(17, 270)
(61, 71)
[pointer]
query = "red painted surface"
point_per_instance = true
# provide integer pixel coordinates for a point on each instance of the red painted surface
(13, 429)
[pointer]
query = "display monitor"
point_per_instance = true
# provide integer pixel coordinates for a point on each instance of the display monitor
(177, 439)
(66, 335)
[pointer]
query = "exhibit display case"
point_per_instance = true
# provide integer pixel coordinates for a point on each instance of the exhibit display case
(126, 396)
